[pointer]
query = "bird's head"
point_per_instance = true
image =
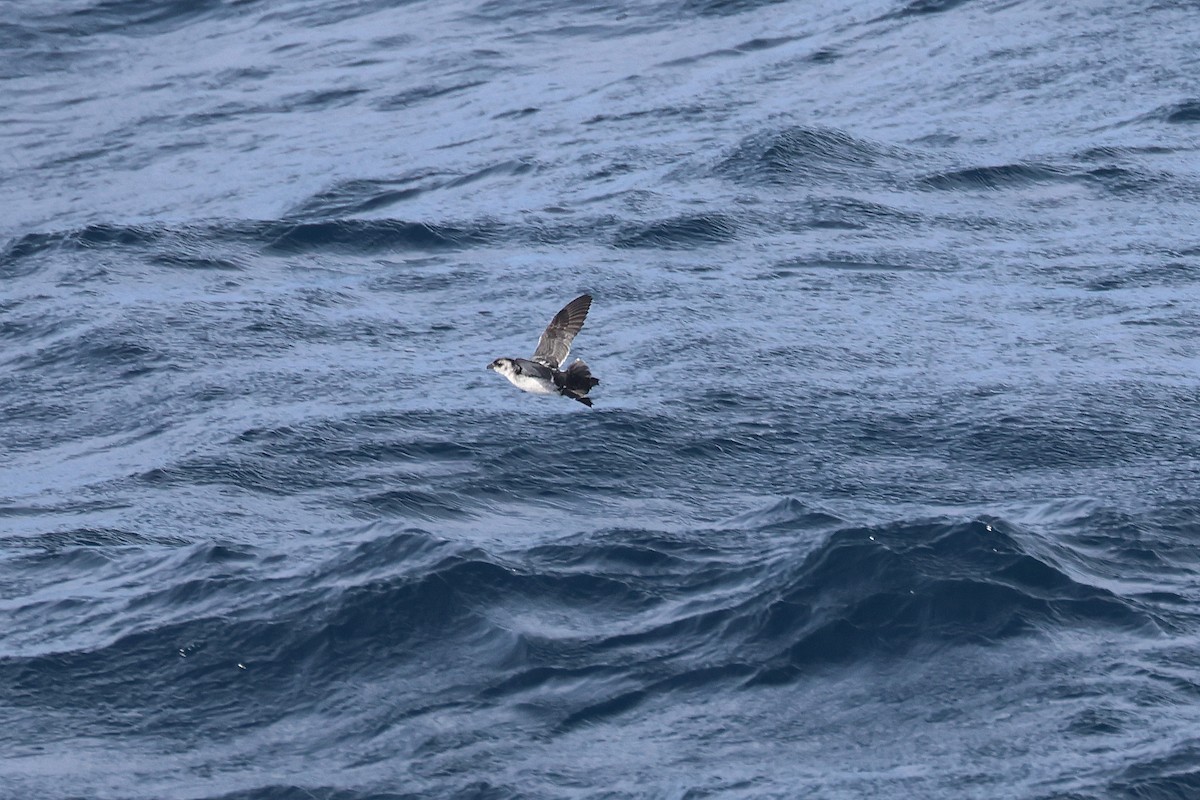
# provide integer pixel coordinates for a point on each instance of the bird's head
(505, 366)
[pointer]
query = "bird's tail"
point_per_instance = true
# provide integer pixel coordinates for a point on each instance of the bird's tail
(579, 381)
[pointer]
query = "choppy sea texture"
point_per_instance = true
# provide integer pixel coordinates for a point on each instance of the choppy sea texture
(890, 489)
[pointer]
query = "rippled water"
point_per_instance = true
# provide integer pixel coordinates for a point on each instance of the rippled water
(890, 488)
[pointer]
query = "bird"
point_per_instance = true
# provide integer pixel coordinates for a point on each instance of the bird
(542, 374)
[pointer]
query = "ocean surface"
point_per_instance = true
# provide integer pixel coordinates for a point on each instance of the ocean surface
(892, 484)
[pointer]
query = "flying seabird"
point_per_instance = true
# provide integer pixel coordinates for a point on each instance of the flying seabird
(541, 374)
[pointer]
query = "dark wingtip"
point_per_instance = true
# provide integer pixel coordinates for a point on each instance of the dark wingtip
(584, 301)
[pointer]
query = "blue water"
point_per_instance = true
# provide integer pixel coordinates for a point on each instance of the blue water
(892, 484)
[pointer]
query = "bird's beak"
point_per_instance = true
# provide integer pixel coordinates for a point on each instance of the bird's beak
(491, 366)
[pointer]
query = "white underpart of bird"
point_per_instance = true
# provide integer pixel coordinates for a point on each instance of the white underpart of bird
(542, 374)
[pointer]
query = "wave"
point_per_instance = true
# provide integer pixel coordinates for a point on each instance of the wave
(664, 611)
(360, 196)
(177, 246)
(802, 155)
(883, 591)
(1184, 112)
(420, 94)
(917, 8)
(725, 8)
(681, 232)
(470, 790)
(321, 225)
(1174, 776)
(370, 236)
(995, 177)
(129, 17)
(1109, 175)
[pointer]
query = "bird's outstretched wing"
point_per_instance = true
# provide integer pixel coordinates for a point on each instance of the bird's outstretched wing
(556, 340)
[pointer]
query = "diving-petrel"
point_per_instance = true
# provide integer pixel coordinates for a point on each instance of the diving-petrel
(541, 374)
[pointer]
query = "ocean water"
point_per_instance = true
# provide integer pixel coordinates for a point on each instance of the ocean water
(892, 484)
